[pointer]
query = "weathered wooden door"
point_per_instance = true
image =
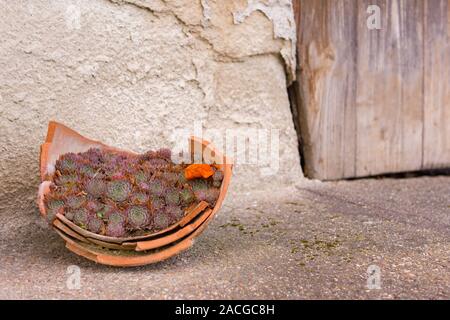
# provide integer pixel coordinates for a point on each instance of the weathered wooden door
(373, 98)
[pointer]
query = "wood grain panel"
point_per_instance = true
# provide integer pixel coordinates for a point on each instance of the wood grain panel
(437, 84)
(373, 101)
(389, 88)
(327, 79)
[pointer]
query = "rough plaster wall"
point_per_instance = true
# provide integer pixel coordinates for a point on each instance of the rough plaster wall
(129, 72)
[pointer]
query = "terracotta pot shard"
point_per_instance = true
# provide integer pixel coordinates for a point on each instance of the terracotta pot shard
(128, 251)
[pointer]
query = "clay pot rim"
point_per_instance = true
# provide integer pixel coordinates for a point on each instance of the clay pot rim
(145, 245)
(155, 255)
(193, 213)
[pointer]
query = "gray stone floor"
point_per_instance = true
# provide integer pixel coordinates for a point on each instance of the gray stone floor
(310, 241)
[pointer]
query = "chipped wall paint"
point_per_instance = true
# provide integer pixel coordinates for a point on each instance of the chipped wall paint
(206, 13)
(280, 12)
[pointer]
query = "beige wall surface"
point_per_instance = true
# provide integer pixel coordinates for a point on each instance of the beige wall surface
(128, 73)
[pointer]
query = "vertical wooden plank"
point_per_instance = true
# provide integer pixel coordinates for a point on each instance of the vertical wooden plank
(374, 101)
(327, 83)
(436, 148)
(389, 88)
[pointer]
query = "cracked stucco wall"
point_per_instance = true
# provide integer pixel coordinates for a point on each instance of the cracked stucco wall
(130, 72)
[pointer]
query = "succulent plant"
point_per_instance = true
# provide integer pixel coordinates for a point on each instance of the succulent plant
(138, 217)
(53, 207)
(96, 225)
(157, 203)
(112, 193)
(86, 170)
(115, 229)
(158, 163)
(96, 187)
(172, 197)
(140, 177)
(75, 202)
(115, 217)
(210, 195)
(147, 156)
(198, 184)
(118, 190)
(174, 212)
(181, 179)
(69, 214)
(81, 217)
(119, 174)
(164, 153)
(94, 206)
(94, 156)
(144, 186)
(218, 175)
(67, 163)
(161, 220)
(217, 178)
(140, 198)
(156, 187)
(170, 177)
(67, 179)
(187, 196)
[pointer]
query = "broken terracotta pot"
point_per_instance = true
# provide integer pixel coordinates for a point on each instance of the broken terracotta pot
(133, 250)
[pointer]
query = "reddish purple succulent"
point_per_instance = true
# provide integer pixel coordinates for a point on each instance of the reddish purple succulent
(94, 156)
(209, 195)
(118, 190)
(86, 170)
(138, 217)
(198, 184)
(96, 225)
(75, 202)
(94, 206)
(54, 206)
(164, 153)
(115, 217)
(80, 217)
(96, 187)
(140, 198)
(157, 203)
(158, 163)
(217, 178)
(172, 197)
(161, 220)
(67, 163)
(174, 212)
(170, 177)
(187, 196)
(140, 177)
(115, 230)
(67, 179)
(156, 187)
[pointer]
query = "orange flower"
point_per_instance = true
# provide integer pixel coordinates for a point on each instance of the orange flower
(198, 171)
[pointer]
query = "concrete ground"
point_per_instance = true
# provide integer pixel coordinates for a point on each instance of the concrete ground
(310, 241)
